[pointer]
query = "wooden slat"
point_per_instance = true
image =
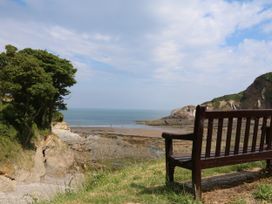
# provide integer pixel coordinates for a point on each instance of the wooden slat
(263, 134)
(269, 135)
(239, 113)
(219, 137)
(209, 137)
(238, 134)
(229, 131)
(246, 136)
(255, 133)
(235, 159)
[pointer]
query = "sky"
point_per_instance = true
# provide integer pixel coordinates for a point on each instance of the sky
(147, 54)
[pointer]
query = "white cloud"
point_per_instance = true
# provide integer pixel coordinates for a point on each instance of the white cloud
(192, 42)
(62, 41)
(166, 42)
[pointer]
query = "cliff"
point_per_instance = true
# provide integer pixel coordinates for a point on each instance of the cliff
(257, 96)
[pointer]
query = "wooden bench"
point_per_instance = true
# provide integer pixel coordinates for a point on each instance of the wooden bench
(222, 138)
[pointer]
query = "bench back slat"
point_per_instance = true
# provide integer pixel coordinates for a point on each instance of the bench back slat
(246, 136)
(238, 135)
(219, 137)
(269, 136)
(255, 134)
(228, 133)
(209, 137)
(263, 134)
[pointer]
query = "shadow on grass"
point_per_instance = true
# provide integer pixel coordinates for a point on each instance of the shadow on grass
(208, 184)
(169, 188)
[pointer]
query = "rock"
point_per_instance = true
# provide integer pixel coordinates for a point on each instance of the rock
(63, 131)
(185, 112)
(7, 184)
(38, 170)
(179, 117)
(62, 126)
(58, 157)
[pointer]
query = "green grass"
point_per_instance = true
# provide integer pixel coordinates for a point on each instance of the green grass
(141, 182)
(264, 192)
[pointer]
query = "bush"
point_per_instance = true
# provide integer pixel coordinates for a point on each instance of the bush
(7, 131)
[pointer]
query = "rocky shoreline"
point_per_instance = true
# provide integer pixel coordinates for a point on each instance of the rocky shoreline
(94, 145)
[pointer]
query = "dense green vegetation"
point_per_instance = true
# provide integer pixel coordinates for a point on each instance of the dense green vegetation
(33, 84)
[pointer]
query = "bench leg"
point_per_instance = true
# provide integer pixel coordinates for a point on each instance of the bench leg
(170, 169)
(196, 182)
(269, 166)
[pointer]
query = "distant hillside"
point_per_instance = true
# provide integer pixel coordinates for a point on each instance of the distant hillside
(257, 96)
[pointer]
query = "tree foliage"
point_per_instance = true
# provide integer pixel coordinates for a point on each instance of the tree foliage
(33, 84)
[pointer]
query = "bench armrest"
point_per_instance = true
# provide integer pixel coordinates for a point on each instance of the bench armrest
(189, 136)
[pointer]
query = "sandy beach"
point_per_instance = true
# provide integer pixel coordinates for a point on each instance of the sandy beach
(151, 132)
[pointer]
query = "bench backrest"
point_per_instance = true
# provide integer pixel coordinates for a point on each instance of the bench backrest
(236, 132)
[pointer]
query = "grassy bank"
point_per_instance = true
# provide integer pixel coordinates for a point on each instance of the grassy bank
(144, 182)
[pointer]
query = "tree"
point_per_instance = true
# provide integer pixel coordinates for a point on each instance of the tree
(33, 86)
(62, 73)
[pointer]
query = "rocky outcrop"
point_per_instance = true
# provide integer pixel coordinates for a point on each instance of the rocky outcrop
(259, 94)
(183, 116)
(184, 112)
(52, 169)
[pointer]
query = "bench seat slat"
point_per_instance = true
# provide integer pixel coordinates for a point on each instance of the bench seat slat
(236, 159)
(184, 160)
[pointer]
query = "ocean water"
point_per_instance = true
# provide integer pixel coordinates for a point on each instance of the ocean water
(90, 117)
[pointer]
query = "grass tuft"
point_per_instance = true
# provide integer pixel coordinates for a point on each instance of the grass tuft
(264, 192)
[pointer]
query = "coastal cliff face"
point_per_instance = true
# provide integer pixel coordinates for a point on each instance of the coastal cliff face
(259, 93)
(257, 96)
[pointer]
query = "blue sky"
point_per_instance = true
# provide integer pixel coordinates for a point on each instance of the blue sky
(147, 54)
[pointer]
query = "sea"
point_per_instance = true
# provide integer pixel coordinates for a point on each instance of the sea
(122, 118)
